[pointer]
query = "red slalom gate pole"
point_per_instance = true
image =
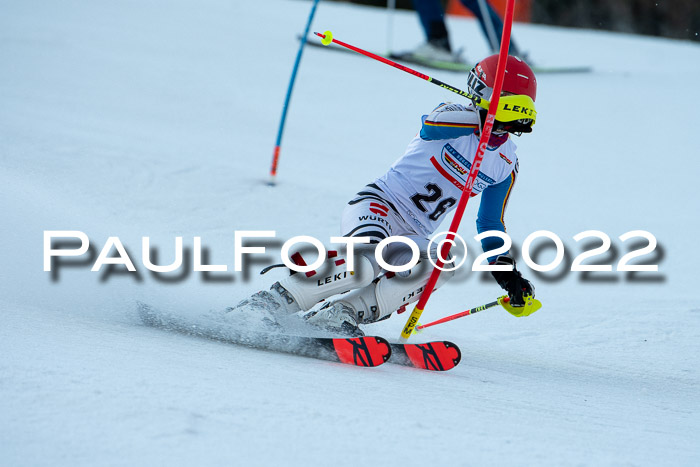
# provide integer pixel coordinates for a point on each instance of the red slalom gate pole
(476, 165)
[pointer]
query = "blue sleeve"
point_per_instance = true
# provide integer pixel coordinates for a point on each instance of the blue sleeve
(494, 200)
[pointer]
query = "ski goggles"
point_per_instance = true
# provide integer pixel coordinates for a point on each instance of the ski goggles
(516, 109)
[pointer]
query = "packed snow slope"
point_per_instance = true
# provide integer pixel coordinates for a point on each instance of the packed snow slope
(131, 119)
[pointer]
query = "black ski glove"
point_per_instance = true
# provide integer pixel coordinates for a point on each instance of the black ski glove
(512, 281)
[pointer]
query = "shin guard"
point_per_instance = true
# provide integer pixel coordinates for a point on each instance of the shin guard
(331, 279)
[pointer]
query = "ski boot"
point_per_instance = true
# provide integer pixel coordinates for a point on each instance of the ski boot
(268, 305)
(337, 317)
(276, 301)
(433, 51)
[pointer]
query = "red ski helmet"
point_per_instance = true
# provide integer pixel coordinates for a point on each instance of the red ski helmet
(519, 80)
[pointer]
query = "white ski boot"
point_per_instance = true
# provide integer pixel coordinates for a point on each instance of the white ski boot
(268, 306)
(338, 317)
(275, 301)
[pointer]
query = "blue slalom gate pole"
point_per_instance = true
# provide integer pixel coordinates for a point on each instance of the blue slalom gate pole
(302, 43)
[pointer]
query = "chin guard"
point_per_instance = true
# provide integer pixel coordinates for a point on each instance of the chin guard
(531, 306)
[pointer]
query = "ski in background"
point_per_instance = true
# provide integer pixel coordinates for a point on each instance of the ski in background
(452, 66)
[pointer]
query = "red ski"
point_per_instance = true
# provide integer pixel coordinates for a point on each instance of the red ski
(360, 351)
(433, 356)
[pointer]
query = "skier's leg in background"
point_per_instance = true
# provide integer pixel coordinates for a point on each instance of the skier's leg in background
(437, 46)
(495, 23)
(432, 18)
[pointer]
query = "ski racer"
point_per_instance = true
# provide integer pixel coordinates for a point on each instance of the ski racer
(411, 199)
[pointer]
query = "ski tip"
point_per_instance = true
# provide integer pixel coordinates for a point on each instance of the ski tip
(457, 354)
(434, 356)
(362, 351)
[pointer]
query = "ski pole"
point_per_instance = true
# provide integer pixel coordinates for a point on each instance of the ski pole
(278, 142)
(390, 7)
(327, 39)
(471, 311)
(469, 184)
(530, 306)
(487, 23)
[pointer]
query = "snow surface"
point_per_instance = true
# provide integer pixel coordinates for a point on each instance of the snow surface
(158, 119)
